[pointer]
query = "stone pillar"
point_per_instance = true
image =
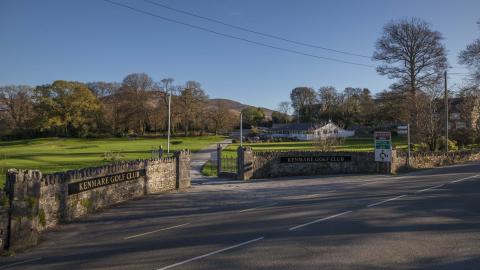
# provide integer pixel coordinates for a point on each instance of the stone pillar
(23, 188)
(4, 219)
(182, 159)
(219, 159)
(244, 163)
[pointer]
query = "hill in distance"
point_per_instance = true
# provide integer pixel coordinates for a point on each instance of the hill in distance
(236, 107)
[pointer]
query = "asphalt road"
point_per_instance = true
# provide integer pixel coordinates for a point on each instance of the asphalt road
(423, 220)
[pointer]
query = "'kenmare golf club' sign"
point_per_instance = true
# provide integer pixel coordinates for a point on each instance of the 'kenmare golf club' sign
(315, 159)
(77, 187)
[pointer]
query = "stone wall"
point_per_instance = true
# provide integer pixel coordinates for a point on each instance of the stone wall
(23, 188)
(433, 159)
(183, 160)
(39, 202)
(4, 219)
(255, 165)
(164, 171)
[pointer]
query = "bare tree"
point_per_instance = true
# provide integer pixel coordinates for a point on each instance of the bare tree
(471, 57)
(469, 106)
(284, 108)
(329, 99)
(430, 115)
(107, 93)
(192, 97)
(17, 101)
(135, 89)
(221, 118)
(413, 54)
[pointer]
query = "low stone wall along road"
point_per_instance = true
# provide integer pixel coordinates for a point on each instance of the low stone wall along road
(424, 220)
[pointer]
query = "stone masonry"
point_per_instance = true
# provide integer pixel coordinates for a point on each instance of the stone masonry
(38, 202)
(257, 165)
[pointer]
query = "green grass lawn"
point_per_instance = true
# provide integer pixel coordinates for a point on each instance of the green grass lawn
(351, 144)
(59, 154)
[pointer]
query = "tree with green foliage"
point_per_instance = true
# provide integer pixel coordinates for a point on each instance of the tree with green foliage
(66, 108)
(252, 117)
(302, 98)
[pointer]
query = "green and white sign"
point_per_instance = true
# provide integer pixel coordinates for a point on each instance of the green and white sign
(383, 146)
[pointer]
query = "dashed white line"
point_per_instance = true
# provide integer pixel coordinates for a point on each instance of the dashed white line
(318, 220)
(22, 262)
(211, 253)
(254, 208)
(458, 180)
(437, 186)
(163, 229)
(384, 201)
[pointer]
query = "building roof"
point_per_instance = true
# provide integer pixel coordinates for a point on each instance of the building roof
(293, 127)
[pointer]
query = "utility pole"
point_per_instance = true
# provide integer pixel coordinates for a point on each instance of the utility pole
(169, 109)
(241, 129)
(166, 83)
(408, 141)
(446, 112)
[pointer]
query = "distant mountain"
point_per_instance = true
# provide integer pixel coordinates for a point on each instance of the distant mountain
(234, 106)
(237, 107)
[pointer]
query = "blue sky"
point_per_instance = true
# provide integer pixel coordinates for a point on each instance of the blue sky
(91, 40)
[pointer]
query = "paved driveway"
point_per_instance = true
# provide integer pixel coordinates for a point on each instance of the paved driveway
(201, 157)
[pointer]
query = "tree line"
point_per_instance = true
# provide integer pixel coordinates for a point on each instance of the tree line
(410, 52)
(136, 106)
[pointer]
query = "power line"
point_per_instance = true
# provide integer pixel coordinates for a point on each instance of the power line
(254, 31)
(458, 73)
(236, 37)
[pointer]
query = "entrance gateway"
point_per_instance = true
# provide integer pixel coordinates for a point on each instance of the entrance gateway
(383, 146)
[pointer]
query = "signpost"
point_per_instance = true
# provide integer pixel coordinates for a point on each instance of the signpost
(405, 130)
(383, 146)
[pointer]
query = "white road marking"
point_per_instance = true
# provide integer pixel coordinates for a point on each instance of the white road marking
(388, 200)
(22, 262)
(254, 208)
(163, 229)
(211, 253)
(369, 183)
(437, 186)
(318, 220)
(458, 180)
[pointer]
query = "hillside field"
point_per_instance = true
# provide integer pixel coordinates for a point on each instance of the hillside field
(60, 154)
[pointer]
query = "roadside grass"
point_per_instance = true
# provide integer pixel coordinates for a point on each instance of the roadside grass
(351, 144)
(60, 154)
(209, 169)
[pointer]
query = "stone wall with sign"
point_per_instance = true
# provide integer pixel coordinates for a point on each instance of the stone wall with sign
(297, 163)
(41, 201)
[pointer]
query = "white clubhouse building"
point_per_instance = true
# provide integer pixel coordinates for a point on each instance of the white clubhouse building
(309, 131)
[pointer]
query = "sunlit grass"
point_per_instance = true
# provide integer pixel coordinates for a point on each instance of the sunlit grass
(59, 154)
